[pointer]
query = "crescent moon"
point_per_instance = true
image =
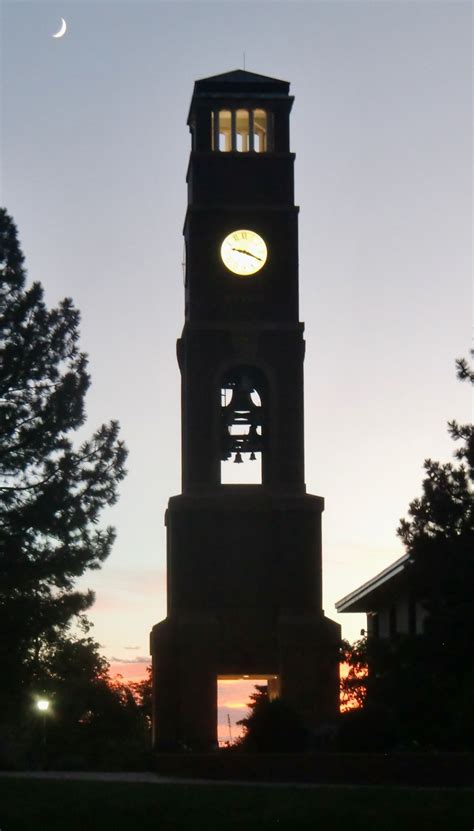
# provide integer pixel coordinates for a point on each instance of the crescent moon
(62, 29)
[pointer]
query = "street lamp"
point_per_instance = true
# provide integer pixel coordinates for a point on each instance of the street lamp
(42, 705)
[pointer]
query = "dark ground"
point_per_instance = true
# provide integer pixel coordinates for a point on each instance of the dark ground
(119, 801)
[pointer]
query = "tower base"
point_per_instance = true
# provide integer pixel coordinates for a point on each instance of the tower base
(244, 598)
(300, 656)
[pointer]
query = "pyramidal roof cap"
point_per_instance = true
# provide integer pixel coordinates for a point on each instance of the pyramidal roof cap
(239, 80)
(241, 75)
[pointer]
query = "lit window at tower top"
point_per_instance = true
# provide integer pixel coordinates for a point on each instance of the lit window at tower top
(242, 130)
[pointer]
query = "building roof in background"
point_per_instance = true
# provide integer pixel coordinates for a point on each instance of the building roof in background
(372, 594)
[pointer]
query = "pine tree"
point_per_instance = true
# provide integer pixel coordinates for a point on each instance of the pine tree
(272, 726)
(51, 491)
(439, 536)
(425, 683)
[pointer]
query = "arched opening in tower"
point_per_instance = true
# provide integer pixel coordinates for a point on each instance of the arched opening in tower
(242, 433)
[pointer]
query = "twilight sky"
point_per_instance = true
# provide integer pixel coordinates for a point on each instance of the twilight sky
(94, 150)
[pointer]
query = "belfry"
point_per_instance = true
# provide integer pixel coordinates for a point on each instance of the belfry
(244, 576)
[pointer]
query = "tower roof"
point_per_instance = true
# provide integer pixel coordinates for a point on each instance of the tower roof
(240, 84)
(240, 78)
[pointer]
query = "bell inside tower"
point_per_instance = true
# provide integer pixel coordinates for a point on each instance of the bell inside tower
(242, 428)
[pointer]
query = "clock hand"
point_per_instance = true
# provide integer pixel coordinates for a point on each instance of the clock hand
(249, 253)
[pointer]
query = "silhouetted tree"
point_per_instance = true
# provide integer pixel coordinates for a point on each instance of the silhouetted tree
(51, 491)
(272, 726)
(142, 692)
(94, 721)
(439, 536)
(354, 681)
(425, 683)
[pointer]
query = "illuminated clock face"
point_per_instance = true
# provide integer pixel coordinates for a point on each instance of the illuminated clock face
(244, 252)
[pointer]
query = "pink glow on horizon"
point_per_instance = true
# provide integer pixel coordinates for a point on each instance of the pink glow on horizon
(129, 670)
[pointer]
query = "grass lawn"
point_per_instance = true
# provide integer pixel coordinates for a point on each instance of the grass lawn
(56, 805)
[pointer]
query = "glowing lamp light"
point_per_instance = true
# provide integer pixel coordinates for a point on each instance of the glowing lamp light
(42, 704)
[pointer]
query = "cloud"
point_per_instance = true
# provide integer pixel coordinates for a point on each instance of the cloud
(131, 647)
(138, 660)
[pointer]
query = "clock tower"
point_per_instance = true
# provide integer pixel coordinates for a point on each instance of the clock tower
(243, 560)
